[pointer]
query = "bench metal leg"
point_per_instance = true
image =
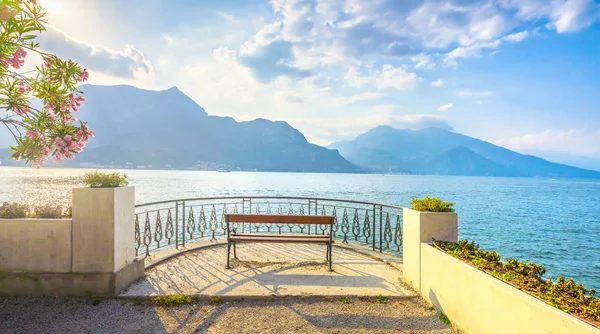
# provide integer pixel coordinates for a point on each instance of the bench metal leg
(228, 254)
(234, 251)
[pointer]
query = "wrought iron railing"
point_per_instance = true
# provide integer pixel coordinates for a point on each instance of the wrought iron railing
(174, 223)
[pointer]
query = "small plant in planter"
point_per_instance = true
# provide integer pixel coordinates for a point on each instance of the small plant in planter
(50, 211)
(14, 210)
(98, 179)
(431, 204)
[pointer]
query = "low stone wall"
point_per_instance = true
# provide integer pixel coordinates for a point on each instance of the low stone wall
(91, 254)
(479, 303)
(35, 245)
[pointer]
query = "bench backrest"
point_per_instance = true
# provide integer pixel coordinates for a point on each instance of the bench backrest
(279, 219)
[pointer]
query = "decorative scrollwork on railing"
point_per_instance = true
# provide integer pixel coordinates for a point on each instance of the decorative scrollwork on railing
(147, 234)
(158, 232)
(175, 223)
(213, 222)
(367, 227)
(356, 225)
(138, 242)
(191, 224)
(387, 231)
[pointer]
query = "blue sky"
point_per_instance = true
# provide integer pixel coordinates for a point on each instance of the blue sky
(521, 73)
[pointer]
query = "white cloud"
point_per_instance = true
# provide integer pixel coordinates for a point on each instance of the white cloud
(423, 61)
(564, 16)
(468, 92)
(437, 83)
(583, 142)
(517, 37)
(228, 17)
(476, 50)
(365, 96)
(168, 39)
(417, 122)
(128, 62)
(388, 77)
(446, 107)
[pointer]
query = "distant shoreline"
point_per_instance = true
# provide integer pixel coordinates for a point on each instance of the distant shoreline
(300, 172)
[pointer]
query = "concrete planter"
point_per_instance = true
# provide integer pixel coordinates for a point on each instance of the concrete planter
(422, 227)
(35, 245)
(103, 229)
(479, 303)
(91, 254)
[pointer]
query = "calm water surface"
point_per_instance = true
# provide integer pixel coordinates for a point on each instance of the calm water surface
(555, 223)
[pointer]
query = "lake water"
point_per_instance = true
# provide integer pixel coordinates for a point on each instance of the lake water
(555, 223)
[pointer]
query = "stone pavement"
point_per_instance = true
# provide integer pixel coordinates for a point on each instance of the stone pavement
(264, 270)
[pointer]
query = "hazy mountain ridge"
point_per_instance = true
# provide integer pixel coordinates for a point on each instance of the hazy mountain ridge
(439, 151)
(167, 129)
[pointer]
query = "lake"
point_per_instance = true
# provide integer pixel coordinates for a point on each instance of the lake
(555, 223)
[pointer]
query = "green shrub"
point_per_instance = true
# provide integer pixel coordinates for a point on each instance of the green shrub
(98, 179)
(49, 211)
(14, 210)
(346, 300)
(431, 204)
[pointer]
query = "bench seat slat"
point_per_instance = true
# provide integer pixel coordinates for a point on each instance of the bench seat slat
(256, 235)
(280, 240)
(279, 219)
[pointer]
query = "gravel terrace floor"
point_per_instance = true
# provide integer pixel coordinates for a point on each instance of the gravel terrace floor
(274, 270)
(75, 315)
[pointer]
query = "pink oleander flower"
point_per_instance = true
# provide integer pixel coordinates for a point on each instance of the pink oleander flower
(17, 60)
(83, 76)
(32, 134)
(21, 110)
(24, 87)
(75, 101)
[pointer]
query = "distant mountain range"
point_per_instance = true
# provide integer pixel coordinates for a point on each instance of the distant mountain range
(138, 128)
(442, 152)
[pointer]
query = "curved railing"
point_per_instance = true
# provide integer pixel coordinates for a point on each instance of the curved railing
(174, 223)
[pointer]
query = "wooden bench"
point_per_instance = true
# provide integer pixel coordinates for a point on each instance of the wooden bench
(233, 237)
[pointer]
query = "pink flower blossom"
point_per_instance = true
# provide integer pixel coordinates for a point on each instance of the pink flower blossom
(32, 134)
(21, 110)
(24, 87)
(83, 75)
(16, 60)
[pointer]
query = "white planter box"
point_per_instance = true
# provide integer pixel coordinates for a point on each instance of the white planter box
(421, 227)
(103, 229)
(35, 245)
(479, 303)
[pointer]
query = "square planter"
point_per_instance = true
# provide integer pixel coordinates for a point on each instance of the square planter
(103, 229)
(422, 227)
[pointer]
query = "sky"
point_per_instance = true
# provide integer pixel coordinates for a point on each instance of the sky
(524, 74)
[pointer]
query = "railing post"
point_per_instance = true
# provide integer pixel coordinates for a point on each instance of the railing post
(380, 228)
(316, 213)
(183, 223)
(176, 224)
(374, 229)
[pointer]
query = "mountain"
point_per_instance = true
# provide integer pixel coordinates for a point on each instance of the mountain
(167, 129)
(439, 151)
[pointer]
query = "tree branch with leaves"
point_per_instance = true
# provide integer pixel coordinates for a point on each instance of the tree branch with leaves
(51, 130)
